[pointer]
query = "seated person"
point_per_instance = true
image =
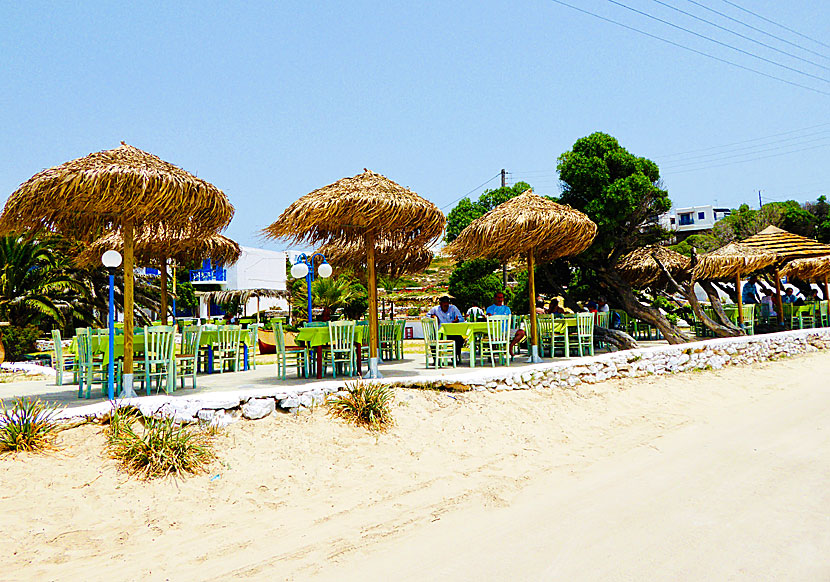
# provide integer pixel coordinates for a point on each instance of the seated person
(814, 296)
(767, 301)
(749, 293)
(446, 312)
(555, 308)
(602, 305)
(789, 296)
(499, 308)
(540, 308)
(475, 312)
(591, 305)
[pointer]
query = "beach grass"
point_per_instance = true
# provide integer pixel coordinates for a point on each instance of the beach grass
(364, 404)
(27, 425)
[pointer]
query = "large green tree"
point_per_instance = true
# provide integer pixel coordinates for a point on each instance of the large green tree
(468, 210)
(622, 193)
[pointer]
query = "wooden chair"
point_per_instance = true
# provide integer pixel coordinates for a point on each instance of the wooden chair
(497, 343)
(341, 348)
(442, 351)
(386, 339)
(61, 362)
(749, 319)
(560, 339)
(158, 362)
(91, 369)
(521, 322)
(822, 314)
(187, 362)
(807, 316)
(295, 355)
(253, 345)
(544, 327)
(226, 349)
(400, 326)
(584, 334)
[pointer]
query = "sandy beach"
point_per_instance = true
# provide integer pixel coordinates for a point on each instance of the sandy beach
(702, 476)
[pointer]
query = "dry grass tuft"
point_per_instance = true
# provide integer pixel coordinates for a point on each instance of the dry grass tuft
(28, 425)
(364, 404)
(150, 447)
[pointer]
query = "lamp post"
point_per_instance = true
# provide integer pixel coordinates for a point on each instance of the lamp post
(111, 260)
(304, 267)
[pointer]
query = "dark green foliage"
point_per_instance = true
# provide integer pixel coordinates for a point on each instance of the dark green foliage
(29, 425)
(185, 296)
(19, 341)
(619, 191)
(702, 243)
(467, 211)
(365, 404)
(475, 281)
(160, 447)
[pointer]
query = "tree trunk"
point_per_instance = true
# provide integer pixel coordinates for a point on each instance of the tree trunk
(633, 307)
(616, 338)
(717, 306)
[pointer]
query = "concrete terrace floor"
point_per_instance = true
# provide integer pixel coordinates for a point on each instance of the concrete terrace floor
(410, 367)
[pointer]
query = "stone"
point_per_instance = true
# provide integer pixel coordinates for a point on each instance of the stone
(292, 401)
(257, 408)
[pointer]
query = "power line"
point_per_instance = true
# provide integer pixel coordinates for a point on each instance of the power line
(762, 31)
(669, 171)
(750, 147)
(710, 39)
(787, 28)
(742, 142)
(738, 34)
(684, 47)
(773, 149)
(471, 191)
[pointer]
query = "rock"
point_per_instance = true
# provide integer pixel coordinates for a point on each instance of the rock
(292, 401)
(257, 408)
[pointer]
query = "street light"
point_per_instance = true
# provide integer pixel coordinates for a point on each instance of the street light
(304, 267)
(111, 260)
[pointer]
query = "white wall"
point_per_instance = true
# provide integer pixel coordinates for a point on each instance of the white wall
(258, 269)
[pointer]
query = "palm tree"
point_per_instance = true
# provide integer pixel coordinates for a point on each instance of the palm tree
(36, 284)
(330, 294)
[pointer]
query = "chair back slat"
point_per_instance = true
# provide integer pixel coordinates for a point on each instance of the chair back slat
(498, 328)
(341, 335)
(158, 342)
(228, 336)
(191, 336)
(430, 329)
(585, 324)
(279, 335)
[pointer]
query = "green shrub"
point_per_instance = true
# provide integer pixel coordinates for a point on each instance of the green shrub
(29, 425)
(150, 447)
(413, 312)
(19, 341)
(365, 404)
(475, 281)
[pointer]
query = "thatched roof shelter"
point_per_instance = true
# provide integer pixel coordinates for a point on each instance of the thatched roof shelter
(813, 269)
(120, 189)
(524, 223)
(153, 248)
(732, 260)
(530, 226)
(244, 295)
(786, 245)
(367, 206)
(391, 258)
(639, 269)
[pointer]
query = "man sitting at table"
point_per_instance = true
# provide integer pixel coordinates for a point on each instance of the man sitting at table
(446, 312)
(499, 308)
(789, 296)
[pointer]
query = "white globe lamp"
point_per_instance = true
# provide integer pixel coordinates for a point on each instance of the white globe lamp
(324, 270)
(111, 259)
(299, 271)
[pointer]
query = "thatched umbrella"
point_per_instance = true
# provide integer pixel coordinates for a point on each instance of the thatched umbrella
(155, 247)
(370, 207)
(733, 261)
(528, 225)
(813, 269)
(244, 295)
(393, 258)
(120, 189)
(639, 269)
(788, 247)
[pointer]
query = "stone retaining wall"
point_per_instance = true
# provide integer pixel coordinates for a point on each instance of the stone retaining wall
(223, 407)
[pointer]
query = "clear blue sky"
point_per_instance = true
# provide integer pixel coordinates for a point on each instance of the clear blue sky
(271, 100)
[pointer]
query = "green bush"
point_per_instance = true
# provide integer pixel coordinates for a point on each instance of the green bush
(366, 404)
(29, 425)
(19, 341)
(475, 281)
(413, 312)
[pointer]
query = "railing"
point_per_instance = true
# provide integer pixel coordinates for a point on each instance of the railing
(208, 275)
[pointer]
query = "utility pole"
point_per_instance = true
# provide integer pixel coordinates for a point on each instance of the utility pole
(504, 265)
(760, 205)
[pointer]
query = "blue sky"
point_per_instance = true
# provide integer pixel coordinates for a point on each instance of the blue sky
(271, 100)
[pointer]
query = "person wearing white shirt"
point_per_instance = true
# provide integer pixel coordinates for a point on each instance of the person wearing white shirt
(446, 312)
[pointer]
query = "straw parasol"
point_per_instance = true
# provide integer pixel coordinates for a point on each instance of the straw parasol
(787, 246)
(156, 247)
(391, 257)
(639, 269)
(815, 269)
(368, 206)
(733, 261)
(120, 189)
(528, 225)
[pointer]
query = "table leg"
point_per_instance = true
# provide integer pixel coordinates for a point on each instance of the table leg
(359, 358)
(244, 357)
(210, 359)
(472, 344)
(318, 353)
(567, 342)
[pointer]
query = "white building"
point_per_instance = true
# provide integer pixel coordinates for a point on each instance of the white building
(692, 219)
(255, 269)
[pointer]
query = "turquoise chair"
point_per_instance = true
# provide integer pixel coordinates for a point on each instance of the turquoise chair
(187, 362)
(341, 348)
(295, 356)
(441, 351)
(497, 344)
(158, 362)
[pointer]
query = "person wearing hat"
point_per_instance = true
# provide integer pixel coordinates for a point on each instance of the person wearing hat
(446, 312)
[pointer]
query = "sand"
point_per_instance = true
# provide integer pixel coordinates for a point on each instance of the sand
(708, 476)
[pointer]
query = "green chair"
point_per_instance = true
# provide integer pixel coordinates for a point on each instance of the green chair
(441, 351)
(226, 348)
(584, 334)
(749, 319)
(521, 322)
(341, 349)
(253, 345)
(158, 362)
(807, 316)
(91, 370)
(386, 339)
(603, 320)
(400, 327)
(187, 362)
(497, 344)
(295, 356)
(544, 329)
(560, 339)
(61, 362)
(822, 314)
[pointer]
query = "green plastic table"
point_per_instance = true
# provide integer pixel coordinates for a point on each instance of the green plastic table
(318, 337)
(472, 331)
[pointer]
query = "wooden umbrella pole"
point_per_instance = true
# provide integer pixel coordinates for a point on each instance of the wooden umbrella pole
(778, 296)
(534, 332)
(827, 297)
(128, 305)
(373, 306)
(164, 290)
(740, 301)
